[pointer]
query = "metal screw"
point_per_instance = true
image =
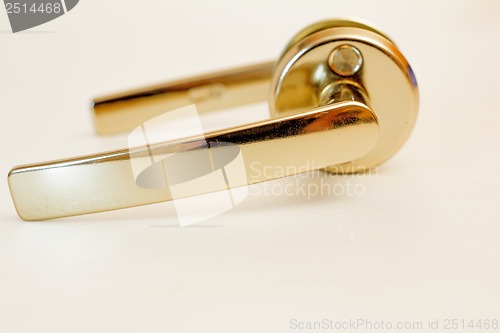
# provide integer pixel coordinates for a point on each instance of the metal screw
(345, 60)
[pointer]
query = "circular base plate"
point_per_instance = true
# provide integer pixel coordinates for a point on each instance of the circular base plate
(303, 72)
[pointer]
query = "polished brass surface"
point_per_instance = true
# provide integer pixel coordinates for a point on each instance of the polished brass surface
(331, 23)
(319, 120)
(127, 110)
(292, 144)
(345, 60)
(302, 73)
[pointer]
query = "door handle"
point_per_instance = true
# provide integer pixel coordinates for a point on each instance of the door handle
(341, 97)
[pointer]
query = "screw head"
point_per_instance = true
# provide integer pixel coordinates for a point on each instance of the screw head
(345, 60)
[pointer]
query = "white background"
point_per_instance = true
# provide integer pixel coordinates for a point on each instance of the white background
(421, 243)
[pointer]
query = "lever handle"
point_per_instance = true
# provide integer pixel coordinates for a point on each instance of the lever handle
(317, 138)
(342, 98)
(124, 111)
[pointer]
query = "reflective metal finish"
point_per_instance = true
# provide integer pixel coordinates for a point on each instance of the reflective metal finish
(319, 120)
(127, 110)
(315, 138)
(302, 74)
(345, 60)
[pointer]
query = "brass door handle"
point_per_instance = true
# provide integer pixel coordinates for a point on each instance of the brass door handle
(341, 96)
